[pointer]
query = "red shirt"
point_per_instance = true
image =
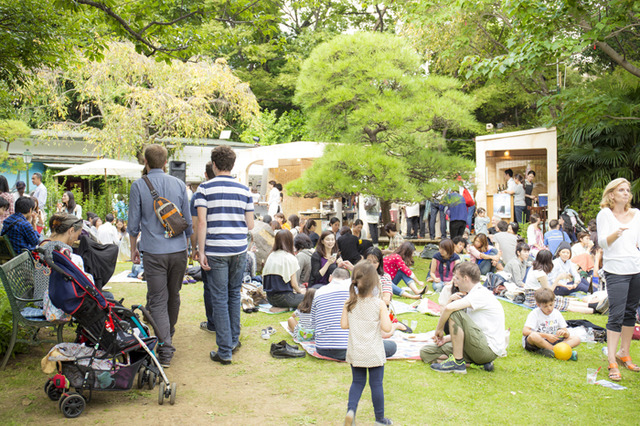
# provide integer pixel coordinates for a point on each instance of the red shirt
(393, 263)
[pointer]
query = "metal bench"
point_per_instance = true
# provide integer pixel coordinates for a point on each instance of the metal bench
(18, 278)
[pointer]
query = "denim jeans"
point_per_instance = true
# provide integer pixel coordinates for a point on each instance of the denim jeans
(520, 213)
(470, 211)
(485, 265)
(225, 281)
(390, 348)
(208, 302)
(563, 291)
(376, 376)
(435, 210)
(400, 276)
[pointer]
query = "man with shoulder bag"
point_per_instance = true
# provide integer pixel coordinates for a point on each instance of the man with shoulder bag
(159, 211)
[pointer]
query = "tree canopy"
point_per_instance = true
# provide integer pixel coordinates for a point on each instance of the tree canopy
(368, 92)
(127, 100)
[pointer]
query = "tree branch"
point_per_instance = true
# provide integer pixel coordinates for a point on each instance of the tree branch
(137, 35)
(622, 118)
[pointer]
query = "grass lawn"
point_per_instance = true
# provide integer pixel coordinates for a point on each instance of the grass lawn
(256, 389)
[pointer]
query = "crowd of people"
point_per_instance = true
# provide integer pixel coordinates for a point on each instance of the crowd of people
(340, 285)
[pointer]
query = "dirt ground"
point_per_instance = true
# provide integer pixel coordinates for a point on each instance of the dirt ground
(253, 390)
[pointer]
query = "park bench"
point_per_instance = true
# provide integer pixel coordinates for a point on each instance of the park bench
(18, 277)
(6, 250)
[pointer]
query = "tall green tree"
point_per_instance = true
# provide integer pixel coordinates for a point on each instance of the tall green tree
(368, 92)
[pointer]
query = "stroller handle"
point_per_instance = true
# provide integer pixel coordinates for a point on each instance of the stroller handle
(48, 256)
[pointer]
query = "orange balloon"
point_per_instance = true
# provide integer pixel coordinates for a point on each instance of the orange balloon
(562, 351)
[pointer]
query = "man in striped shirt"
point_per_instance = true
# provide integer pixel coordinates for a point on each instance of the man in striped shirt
(225, 216)
(326, 311)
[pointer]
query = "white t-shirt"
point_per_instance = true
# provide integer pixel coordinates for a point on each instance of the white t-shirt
(539, 322)
(487, 313)
(532, 282)
(577, 249)
(413, 210)
(622, 257)
(281, 263)
(108, 234)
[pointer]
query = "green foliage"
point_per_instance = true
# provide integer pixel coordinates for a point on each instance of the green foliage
(367, 92)
(6, 325)
(128, 100)
(273, 129)
(588, 205)
(600, 132)
(10, 130)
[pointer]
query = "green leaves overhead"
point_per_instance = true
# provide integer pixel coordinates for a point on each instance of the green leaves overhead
(367, 90)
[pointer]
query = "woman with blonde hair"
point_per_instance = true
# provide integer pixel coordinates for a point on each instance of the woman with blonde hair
(619, 236)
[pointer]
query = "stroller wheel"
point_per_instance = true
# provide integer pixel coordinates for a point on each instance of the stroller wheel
(52, 392)
(152, 378)
(72, 405)
(172, 397)
(161, 390)
(141, 372)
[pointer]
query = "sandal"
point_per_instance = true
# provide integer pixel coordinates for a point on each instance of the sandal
(614, 375)
(626, 360)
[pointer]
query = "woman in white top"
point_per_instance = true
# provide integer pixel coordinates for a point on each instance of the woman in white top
(68, 205)
(619, 237)
(279, 275)
(535, 237)
(538, 277)
(273, 199)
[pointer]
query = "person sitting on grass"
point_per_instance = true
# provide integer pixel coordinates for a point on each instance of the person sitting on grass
(475, 323)
(395, 239)
(300, 323)
(563, 267)
(279, 274)
(397, 266)
(487, 257)
(506, 242)
(535, 237)
(374, 256)
(545, 327)
(537, 278)
(481, 221)
(348, 244)
(518, 266)
(442, 265)
(555, 236)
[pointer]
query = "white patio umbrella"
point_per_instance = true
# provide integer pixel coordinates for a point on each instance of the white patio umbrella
(105, 167)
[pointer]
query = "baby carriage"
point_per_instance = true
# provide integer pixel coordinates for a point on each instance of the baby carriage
(112, 344)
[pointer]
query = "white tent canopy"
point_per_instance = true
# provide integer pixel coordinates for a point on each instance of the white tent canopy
(105, 167)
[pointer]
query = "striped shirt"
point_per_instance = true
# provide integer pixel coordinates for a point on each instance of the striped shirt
(326, 312)
(226, 201)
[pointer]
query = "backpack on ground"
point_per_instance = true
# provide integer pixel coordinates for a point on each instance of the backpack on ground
(429, 251)
(168, 213)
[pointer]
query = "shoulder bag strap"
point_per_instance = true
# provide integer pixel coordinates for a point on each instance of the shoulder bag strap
(154, 193)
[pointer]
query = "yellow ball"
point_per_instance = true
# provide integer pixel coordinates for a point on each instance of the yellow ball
(562, 351)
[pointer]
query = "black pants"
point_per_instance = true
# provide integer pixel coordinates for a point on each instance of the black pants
(457, 227)
(413, 225)
(624, 293)
(373, 232)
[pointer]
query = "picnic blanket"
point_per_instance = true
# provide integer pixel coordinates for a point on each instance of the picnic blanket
(409, 345)
(264, 308)
(425, 306)
(123, 278)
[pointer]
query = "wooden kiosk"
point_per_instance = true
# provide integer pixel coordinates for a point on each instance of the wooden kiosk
(534, 149)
